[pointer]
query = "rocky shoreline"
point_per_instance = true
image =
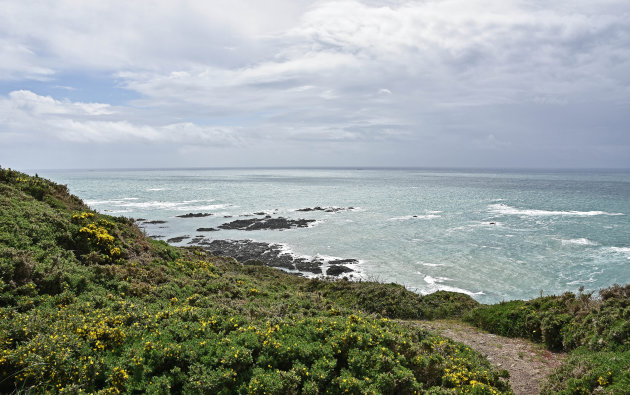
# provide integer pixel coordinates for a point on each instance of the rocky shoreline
(251, 252)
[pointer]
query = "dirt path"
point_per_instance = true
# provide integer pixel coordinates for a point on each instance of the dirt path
(528, 363)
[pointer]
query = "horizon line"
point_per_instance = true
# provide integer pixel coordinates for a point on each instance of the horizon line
(357, 167)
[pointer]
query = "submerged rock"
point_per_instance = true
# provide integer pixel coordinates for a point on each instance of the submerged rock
(207, 230)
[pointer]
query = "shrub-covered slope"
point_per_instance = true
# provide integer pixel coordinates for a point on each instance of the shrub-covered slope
(596, 332)
(88, 304)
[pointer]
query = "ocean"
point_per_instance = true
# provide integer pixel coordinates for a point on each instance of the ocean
(493, 234)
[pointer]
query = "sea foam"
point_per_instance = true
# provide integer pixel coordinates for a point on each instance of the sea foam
(581, 241)
(504, 209)
(435, 284)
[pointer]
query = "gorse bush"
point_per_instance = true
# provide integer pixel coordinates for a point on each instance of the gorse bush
(596, 330)
(393, 300)
(586, 372)
(562, 322)
(88, 304)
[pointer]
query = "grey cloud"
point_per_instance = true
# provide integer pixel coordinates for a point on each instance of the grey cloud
(442, 83)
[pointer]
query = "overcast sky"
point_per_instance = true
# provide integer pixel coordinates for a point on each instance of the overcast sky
(438, 83)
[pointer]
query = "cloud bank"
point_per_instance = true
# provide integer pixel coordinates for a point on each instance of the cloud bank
(383, 83)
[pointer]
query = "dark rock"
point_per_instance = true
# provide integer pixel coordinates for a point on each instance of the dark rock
(325, 209)
(266, 223)
(155, 222)
(227, 216)
(256, 253)
(245, 250)
(336, 270)
(207, 230)
(343, 261)
(308, 266)
(310, 209)
(260, 213)
(259, 253)
(196, 240)
(156, 236)
(194, 215)
(140, 219)
(177, 239)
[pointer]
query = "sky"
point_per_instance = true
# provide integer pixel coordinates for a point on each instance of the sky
(433, 83)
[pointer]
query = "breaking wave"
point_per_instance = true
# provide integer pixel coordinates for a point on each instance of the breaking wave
(504, 209)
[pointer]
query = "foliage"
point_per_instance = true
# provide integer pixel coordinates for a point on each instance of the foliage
(445, 304)
(88, 304)
(597, 330)
(393, 300)
(586, 372)
(562, 322)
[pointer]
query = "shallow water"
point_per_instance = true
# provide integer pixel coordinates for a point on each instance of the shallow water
(494, 234)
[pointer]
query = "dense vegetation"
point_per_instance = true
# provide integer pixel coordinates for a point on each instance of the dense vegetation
(88, 304)
(596, 332)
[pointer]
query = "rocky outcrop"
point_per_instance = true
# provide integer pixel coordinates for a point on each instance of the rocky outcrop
(194, 215)
(343, 261)
(325, 209)
(336, 270)
(259, 253)
(177, 239)
(267, 223)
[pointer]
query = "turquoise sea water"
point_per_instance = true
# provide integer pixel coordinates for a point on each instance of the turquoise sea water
(494, 234)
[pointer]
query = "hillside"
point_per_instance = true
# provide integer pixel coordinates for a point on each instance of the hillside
(89, 304)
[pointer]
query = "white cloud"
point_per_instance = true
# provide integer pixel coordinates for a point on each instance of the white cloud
(28, 101)
(26, 116)
(19, 62)
(145, 35)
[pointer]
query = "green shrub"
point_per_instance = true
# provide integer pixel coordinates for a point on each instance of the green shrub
(586, 372)
(445, 304)
(562, 322)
